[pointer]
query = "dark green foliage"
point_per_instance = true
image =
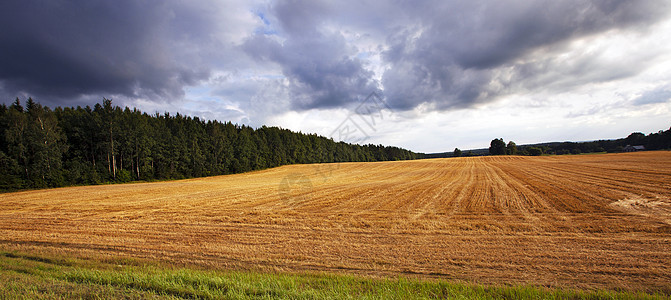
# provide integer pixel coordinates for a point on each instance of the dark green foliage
(511, 148)
(73, 146)
(660, 140)
(535, 151)
(497, 147)
(32, 147)
(457, 152)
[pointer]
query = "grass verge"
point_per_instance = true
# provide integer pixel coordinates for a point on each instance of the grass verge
(28, 276)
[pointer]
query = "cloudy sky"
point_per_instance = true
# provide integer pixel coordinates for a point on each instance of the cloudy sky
(449, 73)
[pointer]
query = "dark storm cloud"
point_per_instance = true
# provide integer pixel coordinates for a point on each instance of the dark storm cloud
(319, 70)
(319, 64)
(469, 52)
(451, 54)
(68, 49)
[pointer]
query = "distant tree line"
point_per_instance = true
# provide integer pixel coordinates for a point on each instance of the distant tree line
(499, 147)
(660, 140)
(41, 147)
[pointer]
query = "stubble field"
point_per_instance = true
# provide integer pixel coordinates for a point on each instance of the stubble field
(591, 221)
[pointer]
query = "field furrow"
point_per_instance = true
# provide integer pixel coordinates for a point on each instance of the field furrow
(579, 221)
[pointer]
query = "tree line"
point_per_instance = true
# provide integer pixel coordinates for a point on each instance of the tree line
(41, 147)
(660, 140)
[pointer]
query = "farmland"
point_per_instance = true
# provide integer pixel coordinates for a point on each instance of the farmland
(588, 221)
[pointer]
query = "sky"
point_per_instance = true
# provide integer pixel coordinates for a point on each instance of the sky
(428, 76)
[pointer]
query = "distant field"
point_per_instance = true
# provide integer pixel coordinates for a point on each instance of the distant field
(594, 221)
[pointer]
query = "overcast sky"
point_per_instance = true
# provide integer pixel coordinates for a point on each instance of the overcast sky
(451, 73)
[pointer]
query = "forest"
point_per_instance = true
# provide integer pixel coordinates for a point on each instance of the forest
(41, 147)
(660, 140)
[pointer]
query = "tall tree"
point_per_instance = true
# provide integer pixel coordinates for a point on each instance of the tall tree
(15, 137)
(511, 148)
(497, 147)
(46, 144)
(109, 125)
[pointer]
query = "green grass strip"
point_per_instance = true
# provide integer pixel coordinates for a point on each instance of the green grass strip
(24, 276)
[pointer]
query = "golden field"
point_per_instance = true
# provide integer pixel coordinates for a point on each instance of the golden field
(588, 221)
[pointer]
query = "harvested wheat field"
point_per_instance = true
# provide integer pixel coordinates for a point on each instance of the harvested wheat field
(590, 221)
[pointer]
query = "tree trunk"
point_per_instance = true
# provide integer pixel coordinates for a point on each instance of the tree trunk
(137, 164)
(112, 153)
